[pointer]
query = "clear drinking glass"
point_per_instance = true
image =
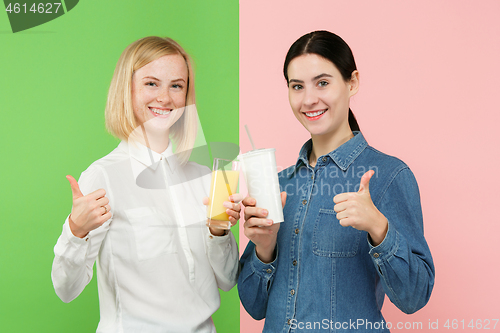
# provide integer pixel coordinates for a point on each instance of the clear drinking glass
(225, 175)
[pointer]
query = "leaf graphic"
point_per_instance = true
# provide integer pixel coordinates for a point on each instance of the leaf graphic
(70, 4)
(28, 14)
(150, 178)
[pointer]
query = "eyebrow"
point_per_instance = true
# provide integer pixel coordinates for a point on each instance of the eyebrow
(156, 79)
(150, 78)
(313, 79)
(320, 76)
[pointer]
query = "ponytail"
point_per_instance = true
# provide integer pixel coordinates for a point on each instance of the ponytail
(353, 123)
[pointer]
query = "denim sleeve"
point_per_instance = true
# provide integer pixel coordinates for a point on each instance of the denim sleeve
(255, 281)
(403, 259)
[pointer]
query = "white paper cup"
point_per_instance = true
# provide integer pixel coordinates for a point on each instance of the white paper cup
(261, 176)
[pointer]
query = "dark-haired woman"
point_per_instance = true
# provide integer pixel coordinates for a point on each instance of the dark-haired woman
(353, 229)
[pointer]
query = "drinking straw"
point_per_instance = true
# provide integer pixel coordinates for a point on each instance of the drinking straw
(225, 178)
(227, 182)
(250, 137)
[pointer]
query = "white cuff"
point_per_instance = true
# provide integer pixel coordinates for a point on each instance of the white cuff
(69, 235)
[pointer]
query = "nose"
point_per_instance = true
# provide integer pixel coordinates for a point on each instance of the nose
(310, 97)
(163, 96)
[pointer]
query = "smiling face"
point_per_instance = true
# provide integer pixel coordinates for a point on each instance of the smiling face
(159, 92)
(319, 96)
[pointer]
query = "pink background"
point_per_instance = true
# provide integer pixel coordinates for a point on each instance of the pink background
(430, 76)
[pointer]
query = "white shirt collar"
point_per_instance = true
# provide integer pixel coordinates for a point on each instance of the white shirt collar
(148, 157)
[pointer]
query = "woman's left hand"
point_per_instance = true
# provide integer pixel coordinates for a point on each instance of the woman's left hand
(356, 209)
(233, 206)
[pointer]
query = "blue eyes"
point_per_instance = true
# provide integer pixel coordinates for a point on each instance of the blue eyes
(153, 84)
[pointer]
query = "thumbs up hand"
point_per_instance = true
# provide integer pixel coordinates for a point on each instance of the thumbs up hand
(89, 211)
(356, 209)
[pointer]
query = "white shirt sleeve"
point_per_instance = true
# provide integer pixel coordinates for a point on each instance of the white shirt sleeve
(222, 253)
(72, 268)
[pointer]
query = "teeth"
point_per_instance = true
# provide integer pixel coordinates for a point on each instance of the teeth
(314, 114)
(158, 111)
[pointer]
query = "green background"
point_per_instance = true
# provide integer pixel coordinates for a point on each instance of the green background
(54, 80)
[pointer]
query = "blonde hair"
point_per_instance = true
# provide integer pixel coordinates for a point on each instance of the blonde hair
(119, 114)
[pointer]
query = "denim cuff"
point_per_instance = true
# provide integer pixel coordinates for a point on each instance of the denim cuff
(386, 247)
(264, 270)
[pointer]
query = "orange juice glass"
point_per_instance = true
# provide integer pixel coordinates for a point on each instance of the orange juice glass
(225, 175)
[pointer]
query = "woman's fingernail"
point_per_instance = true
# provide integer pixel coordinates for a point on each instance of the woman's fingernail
(264, 212)
(270, 222)
(227, 204)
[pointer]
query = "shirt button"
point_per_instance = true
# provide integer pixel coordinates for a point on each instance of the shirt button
(294, 262)
(324, 159)
(304, 202)
(296, 231)
(211, 237)
(376, 255)
(288, 321)
(312, 176)
(292, 292)
(269, 271)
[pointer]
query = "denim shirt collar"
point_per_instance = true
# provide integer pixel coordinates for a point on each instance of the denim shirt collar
(343, 156)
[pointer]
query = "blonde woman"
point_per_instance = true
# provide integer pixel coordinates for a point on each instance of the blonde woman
(138, 212)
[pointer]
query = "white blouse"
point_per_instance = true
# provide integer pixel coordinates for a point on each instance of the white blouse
(158, 266)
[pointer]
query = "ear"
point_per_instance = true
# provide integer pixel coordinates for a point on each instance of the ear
(354, 83)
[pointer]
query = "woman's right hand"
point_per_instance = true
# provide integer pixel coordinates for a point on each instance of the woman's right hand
(261, 231)
(89, 211)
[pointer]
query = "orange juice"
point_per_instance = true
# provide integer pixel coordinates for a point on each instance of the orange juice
(220, 192)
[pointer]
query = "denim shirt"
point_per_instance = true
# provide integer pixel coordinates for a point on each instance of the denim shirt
(330, 278)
